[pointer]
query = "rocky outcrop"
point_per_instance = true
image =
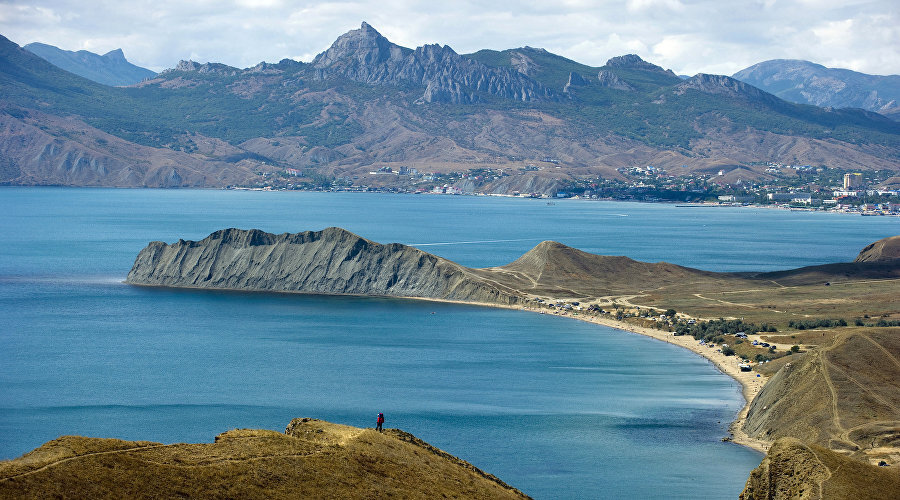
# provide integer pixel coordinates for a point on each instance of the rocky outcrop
(205, 68)
(364, 55)
(727, 86)
(331, 261)
(609, 79)
(575, 80)
(633, 61)
(884, 250)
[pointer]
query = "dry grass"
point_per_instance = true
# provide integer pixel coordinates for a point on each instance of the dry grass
(842, 395)
(313, 459)
(793, 470)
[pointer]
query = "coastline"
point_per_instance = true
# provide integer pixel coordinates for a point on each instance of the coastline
(751, 384)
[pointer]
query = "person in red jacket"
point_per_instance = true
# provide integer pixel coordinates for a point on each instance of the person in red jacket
(379, 422)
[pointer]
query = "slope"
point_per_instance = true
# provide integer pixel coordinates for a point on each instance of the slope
(793, 470)
(842, 395)
(331, 261)
(109, 69)
(312, 459)
(809, 83)
(366, 102)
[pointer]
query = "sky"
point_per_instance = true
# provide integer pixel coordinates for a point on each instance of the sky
(686, 36)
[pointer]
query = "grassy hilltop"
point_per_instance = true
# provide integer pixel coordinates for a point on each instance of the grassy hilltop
(311, 459)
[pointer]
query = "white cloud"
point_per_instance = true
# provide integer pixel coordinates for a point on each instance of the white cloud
(688, 36)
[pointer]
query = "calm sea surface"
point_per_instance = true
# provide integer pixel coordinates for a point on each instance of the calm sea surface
(555, 407)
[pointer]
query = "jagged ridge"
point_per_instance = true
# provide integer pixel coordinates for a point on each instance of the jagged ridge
(331, 261)
(366, 56)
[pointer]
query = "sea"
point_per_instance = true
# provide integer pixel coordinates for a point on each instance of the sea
(555, 407)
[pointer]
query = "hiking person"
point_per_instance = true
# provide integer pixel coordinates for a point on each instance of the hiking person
(379, 422)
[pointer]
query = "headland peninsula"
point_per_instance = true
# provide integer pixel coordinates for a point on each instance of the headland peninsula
(816, 349)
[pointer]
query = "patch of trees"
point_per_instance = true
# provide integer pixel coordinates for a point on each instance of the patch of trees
(809, 324)
(880, 322)
(711, 330)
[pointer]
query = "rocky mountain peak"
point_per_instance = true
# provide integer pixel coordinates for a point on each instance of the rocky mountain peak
(366, 56)
(522, 63)
(192, 66)
(115, 55)
(723, 85)
(633, 61)
(364, 46)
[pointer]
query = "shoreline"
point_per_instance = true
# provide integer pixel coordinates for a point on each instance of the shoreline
(750, 383)
(728, 365)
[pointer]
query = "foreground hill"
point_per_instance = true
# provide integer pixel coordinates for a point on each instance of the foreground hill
(842, 396)
(793, 470)
(366, 103)
(809, 83)
(109, 69)
(311, 459)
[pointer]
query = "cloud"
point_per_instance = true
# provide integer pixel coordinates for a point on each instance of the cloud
(687, 36)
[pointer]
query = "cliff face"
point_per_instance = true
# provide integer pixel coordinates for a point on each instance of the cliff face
(366, 56)
(331, 261)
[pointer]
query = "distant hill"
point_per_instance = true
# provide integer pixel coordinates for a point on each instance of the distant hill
(887, 249)
(809, 83)
(311, 459)
(109, 69)
(366, 103)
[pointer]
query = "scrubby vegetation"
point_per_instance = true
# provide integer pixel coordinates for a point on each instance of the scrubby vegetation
(809, 324)
(709, 330)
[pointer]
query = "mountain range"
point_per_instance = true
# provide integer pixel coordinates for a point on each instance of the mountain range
(535, 119)
(809, 83)
(109, 69)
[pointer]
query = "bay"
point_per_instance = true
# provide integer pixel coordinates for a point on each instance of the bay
(555, 407)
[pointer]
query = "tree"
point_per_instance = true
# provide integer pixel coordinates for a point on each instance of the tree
(670, 313)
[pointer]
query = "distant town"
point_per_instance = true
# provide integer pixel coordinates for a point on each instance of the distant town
(787, 186)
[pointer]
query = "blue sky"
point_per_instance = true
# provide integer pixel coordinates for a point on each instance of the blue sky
(687, 36)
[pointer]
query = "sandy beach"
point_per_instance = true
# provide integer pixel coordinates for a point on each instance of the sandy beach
(751, 382)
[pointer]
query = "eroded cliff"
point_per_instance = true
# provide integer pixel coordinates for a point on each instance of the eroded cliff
(331, 261)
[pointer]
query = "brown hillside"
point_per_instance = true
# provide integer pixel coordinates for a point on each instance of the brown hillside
(793, 470)
(312, 459)
(842, 396)
(558, 270)
(886, 249)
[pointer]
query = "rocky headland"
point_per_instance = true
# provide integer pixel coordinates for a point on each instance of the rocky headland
(331, 261)
(836, 390)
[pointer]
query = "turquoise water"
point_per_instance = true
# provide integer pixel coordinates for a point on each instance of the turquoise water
(555, 407)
